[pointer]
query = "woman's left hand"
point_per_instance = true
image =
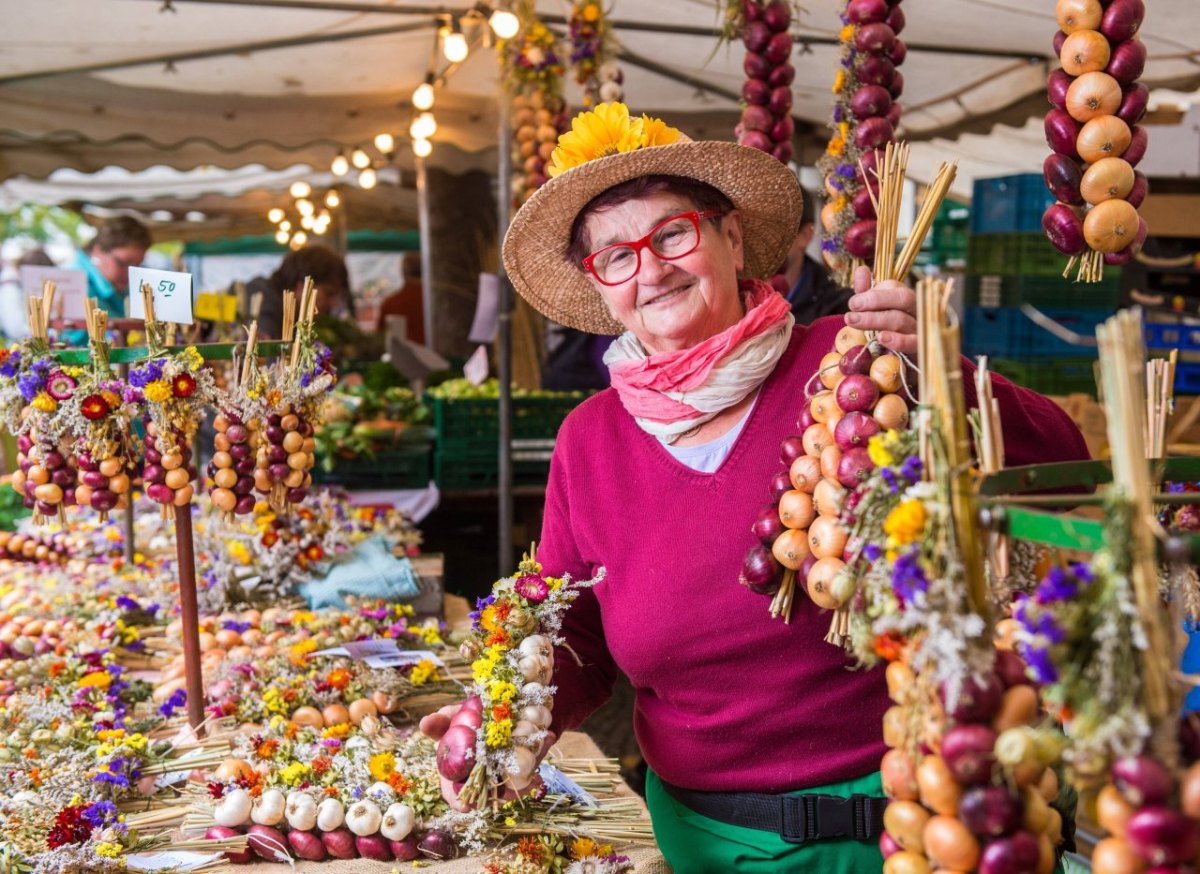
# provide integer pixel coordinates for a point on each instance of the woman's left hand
(889, 308)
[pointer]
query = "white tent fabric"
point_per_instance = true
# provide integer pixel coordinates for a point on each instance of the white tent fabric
(85, 84)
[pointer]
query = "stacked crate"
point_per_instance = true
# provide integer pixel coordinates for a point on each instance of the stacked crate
(1010, 263)
(466, 451)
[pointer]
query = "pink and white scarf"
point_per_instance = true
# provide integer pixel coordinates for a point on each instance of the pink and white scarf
(671, 393)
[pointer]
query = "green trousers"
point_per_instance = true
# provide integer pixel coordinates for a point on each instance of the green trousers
(695, 844)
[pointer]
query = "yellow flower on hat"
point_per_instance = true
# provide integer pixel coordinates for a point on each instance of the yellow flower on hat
(658, 132)
(605, 130)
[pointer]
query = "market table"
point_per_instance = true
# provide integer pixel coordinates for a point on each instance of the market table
(573, 745)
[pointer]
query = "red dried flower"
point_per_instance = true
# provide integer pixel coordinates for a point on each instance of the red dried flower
(183, 385)
(94, 407)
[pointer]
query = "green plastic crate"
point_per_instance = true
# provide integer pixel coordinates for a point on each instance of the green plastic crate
(457, 468)
(405, 467)
(1014, 255)
(465, 424)
(948, 239)
(1063, 376)
(998, 290)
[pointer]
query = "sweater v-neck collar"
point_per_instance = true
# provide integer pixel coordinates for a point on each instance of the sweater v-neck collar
(764, 401)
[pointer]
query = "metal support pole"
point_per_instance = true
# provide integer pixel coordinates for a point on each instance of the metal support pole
(504, 346)
(423, 226)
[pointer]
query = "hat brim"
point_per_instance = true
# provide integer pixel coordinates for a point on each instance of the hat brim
(762, 189)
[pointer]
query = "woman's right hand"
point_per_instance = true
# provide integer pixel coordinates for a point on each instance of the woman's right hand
(435, 726)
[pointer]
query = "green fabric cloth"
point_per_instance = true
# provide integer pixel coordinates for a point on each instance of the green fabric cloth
(695, 844)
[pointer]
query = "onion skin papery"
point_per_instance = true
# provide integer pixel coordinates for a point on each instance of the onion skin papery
(1108, 178)
(1110, 226)
(1085, 51)
(1097, 106)
(766, 123)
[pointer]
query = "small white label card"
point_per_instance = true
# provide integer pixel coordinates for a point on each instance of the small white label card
(172, 294)
(70, 288)
(402, 658)
(476, 368)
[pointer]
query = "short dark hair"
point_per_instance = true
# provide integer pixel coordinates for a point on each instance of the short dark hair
(700, 194)
(806, 209)
(118, 231)
(320, 262)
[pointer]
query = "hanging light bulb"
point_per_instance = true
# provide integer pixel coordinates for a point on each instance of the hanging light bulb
(299, 239)
(422, 96)
(275, 215)
(306, 222)
(320, 228)
(281, 237)
(423, 127)
(504, 23)
(367, 179)
(385, 142)
(332, 199)
(422, 148)
(454, 44)
(340, 166)
(285, 226)
(360, 159)
(305, 207)
(300, 188)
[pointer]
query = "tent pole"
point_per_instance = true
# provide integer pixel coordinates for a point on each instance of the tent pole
(423, 225)
(504, 344)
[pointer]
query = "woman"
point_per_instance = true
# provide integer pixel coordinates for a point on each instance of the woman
(325, 267)
(658, 479)
(120, 243)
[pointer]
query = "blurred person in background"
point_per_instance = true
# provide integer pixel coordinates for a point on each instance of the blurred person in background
(407, 301)
(120, 243)
(14, 324)
(804, 281)
(328, 271)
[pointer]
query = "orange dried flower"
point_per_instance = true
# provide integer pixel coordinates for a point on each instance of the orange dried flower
(499, 637)
(502, 711)
(399, 783)
(339, 678)
(888, 646)
(531, 850)
(267, 748)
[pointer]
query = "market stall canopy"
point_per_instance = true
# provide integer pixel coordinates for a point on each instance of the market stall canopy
(86, 84)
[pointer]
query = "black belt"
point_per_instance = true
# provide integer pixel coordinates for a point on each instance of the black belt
(795, 818)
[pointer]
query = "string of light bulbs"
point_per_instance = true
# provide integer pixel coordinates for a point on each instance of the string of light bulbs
(310, 219)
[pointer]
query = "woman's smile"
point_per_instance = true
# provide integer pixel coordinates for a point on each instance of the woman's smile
(660, 298)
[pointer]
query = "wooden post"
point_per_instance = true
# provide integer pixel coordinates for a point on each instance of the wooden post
(189, 615)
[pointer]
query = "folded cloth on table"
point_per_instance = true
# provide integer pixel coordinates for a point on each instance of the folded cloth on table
(370, 570)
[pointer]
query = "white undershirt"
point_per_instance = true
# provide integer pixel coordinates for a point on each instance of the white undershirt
(707, 457)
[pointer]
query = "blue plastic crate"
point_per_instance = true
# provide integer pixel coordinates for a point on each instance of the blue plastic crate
(1187, 378)
(1173, 335)
(1007, 332)
(1006, 204)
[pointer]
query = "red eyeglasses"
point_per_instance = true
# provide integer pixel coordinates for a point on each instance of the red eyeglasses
(670, 239)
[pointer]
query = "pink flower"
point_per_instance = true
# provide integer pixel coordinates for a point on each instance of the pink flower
(532, 588)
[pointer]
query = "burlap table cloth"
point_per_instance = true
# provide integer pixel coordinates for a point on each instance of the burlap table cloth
(573, 745)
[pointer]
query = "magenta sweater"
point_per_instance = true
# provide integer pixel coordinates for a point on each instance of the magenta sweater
(727, 699)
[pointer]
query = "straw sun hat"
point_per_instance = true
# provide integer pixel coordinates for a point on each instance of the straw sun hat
(606, 147)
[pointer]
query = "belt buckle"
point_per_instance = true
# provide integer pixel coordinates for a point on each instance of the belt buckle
(836, 817)
(795, 821)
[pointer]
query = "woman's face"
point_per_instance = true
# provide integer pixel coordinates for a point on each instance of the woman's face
(114, 264)
(671, 305)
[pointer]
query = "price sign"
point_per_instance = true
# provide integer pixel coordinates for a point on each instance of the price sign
(70, 288)
(216, 307)
(172, 294)
(476, 368)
